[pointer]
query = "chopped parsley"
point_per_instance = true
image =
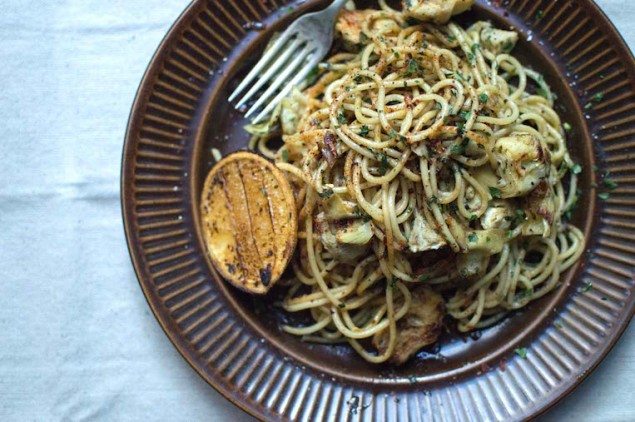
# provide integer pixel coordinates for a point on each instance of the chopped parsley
(567, 127)
(522, 352)
(604, 196)
(586, 287)
(341, 118)
(508, 46)
(610, 183)
(595, 99)
(451, 38)
(383, 164)
(459, 149)
(470, 57)
(413, 67)
(285, 155)
(364, 130)
(472, 238)
(495, 192)
(519, 217)
(473, 217)
(598, 97)
(483, 98)
(424, 278)
(326, 193)
(312, 77)
(396, 135)
(542, 92)
(576, 169)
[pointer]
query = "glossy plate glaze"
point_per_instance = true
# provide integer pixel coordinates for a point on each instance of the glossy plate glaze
(234, 343)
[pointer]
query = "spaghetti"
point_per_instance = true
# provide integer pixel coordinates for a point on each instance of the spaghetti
(422, 155)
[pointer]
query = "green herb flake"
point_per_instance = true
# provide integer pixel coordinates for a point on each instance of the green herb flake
(364, 130)
(484, 98)
(284, 155)
(610, 183)
(576, 169)
(542, 92)
(473, 217)
(451, 38)
(311, 78)
(413, 67)
(472, 238)
(521, 352)
(424, 278)
(459, 149)
(495, 192)
(567, 127)
(586, 287)
(598, 97)
(594, 100)
(604, 196)
(383, 164)
(326, 193)
(342, 305)
(341, 118)
(508, 47)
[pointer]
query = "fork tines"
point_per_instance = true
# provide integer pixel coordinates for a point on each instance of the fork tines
(283, 66)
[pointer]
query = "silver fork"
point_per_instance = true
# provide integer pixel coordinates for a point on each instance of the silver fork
(289, 61)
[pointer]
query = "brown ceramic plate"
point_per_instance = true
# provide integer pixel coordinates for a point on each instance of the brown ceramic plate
(181, 112)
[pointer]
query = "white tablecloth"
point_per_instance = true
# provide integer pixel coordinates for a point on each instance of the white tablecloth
(78, 339)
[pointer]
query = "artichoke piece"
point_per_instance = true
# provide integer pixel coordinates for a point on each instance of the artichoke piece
(437, 11)
(420, 327)
(337, 207)
(423, 237)
(357, 232)
(541, 208)
(472, 264)
(499, 215)
(522, 162)
(292, 109)
(346, 240)
(299, 144)
(498, 40)
(349, 25)
(491, 241)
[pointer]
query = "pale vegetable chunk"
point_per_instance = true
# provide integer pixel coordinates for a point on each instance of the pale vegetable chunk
(420, 327)
(437, 11)
(498, 40)
(522, 162)
(423, 236)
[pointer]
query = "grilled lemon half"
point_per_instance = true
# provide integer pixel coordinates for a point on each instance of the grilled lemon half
(249, 221)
